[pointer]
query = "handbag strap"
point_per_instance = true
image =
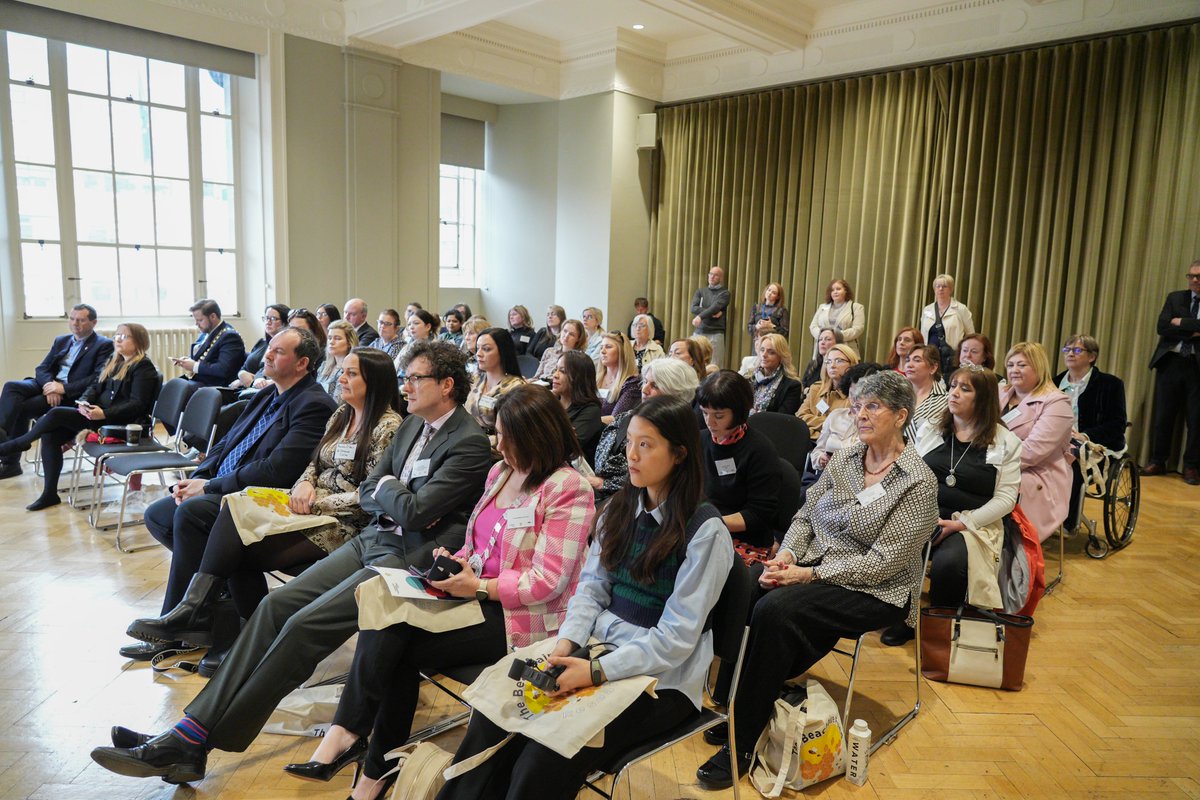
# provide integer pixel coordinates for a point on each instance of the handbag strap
(1015, 620)
(186, 666)
(454, 770)
(789, 742)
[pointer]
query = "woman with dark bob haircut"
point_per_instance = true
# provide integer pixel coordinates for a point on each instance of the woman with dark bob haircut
(528, 567)
(658, 561)
(574, 384)
(741, 466)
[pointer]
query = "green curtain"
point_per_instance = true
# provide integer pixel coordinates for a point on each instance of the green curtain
(1059, 185)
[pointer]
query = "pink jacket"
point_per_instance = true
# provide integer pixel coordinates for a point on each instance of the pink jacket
(540, 566)
(1044, 428)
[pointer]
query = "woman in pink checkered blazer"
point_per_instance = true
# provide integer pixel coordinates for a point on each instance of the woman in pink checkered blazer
(526, 543)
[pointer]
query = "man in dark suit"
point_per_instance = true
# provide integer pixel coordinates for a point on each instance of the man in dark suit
(421, 494)
(218, 352)
(1176, 361)
(270, 445)
(355, 312)
(72, 365)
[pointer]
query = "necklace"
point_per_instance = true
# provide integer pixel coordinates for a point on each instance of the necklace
(882, 469)
(950, 479)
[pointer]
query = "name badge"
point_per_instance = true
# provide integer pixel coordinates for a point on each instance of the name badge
(995, 455)
(870, 494)
(822, 406)
(420, 468)
(487, 403)
(1008, 418)
(519, 517)
(345, 451)
(603, 393)
(726, 466)
(523, 339)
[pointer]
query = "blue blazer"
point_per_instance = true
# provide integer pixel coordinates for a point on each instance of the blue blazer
(96, 352)
(221, 361)
(284, 450)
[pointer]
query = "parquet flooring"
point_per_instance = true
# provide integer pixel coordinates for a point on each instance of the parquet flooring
(1110, 709)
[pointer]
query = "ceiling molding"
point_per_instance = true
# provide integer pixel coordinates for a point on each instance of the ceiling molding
(400, 23)
(764, 25)
(320, 20)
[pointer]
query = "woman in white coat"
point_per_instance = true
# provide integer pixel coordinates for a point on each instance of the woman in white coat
(945, 320)
(977, 462)
(840, 312)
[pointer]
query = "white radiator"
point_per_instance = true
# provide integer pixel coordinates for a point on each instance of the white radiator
(167, 342)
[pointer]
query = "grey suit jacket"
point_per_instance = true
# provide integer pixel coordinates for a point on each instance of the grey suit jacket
(431, 510)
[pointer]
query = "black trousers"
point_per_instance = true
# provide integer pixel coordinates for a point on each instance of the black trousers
(948, 571)
(55, 428)
(1176, 389)
(794, 627)
(21, 401)
(524, 769)
(202, 538)
(380, 698)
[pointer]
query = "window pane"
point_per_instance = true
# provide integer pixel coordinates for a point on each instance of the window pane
(131, 137)
(216, 148)
(173, 213)
(33, 127)
(91, 141)
(98, 284)
(37, 202)
(94, 215)
(170, 142)
(87, 69)
(176, 284)
(27, 59)
(448, 194)
(139, 281)
(218, 216)
(42, 268)
(221, 271)
(135, 210)
(166, 83)
(215, 95)
(128, 75)
(466, 199)
(449, 246)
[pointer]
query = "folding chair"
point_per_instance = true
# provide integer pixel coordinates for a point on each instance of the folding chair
(529, 365)
(200, 418)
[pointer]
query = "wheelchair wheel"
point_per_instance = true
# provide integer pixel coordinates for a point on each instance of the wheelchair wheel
(1121, 501)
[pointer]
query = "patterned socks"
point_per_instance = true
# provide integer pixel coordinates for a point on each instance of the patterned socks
(191, 731)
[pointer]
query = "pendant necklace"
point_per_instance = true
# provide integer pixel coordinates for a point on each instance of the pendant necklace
(950, 479)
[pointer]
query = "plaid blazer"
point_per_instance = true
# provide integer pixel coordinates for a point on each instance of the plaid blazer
(539, 566)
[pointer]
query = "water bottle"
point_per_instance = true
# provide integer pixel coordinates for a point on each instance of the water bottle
(858, 742)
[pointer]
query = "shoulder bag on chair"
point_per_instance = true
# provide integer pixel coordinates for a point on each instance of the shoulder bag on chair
(974, 646)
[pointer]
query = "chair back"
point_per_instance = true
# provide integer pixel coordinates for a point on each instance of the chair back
(789, 433)
(732, 610)
(200, 417)
(790, 489)
(172, 400)
(529, 365)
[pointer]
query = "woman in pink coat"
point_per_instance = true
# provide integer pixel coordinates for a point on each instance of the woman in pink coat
(1040, 415)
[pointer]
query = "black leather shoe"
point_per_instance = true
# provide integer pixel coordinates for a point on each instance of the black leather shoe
(44, 502)
(897, 635)
(716, 773)
(165, 756)
(10, 469)
(317, 771)
(126, 738)
(717, 735)
(190, 621)
(145, 651)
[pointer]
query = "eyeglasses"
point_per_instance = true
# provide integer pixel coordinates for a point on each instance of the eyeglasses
(1075, 350)
(385, 323)
(415, 379)
(269, 318)
(120, 337)
(971, 366)
(837, 361)
(872, 408)
(1193, 276)
(617, 334)
(320, 313)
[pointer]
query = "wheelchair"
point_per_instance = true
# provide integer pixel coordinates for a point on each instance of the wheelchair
(1111, 477)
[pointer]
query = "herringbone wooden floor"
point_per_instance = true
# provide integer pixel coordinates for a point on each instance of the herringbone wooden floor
(1111, 706)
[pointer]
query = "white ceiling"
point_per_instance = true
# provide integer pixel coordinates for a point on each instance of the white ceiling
(509, 51)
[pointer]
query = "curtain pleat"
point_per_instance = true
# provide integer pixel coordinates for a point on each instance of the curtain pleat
(1060, 186)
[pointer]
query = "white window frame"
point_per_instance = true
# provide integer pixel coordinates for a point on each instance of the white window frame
(468, 234)
(65, 185)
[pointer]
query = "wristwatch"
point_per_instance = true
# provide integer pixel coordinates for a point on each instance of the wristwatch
(597, 672)
(481, 591)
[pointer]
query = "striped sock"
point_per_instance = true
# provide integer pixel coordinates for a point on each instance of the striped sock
(190, 730)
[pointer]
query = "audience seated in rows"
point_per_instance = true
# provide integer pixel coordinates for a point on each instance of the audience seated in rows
(68, 370)
(617, 379)
(355, 312)
(123, 393)
(574, 384)
(523, 572)
(824, 395)
(498, 374)
(826, 339)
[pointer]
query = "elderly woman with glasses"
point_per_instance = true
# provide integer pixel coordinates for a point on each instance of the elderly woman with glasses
(824, 395)
(847, 565)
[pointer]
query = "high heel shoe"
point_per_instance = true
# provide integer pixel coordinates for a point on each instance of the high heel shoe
(317, 771)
